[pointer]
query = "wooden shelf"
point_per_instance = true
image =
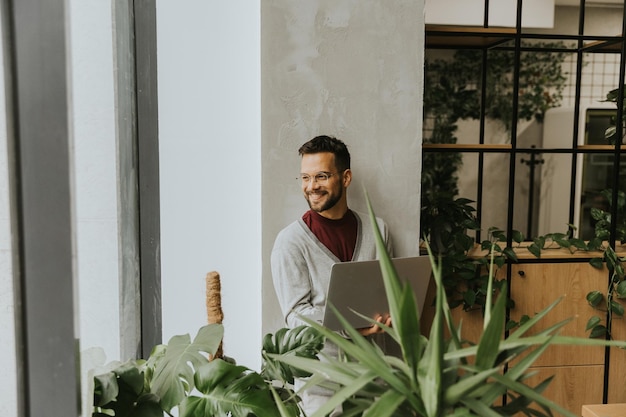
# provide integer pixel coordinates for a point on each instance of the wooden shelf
(443, 36)
(604, 46)
(553, 252)
(458, 37)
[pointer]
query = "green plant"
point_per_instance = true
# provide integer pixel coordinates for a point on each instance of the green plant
(179, 376)
(465, 277)
(436, 376)
(446, 224)
(616, 287)
(611, 132)
(604, 220)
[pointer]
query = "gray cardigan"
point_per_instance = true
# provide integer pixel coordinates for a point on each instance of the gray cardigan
(301, 266)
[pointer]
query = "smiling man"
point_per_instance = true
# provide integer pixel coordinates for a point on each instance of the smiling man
(305, 251)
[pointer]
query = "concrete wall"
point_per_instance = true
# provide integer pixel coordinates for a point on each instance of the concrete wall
(352, 69)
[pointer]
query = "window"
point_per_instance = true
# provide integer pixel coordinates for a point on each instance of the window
(525, 175)
(516, 120)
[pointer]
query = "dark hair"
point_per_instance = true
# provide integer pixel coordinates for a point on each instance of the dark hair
(328, 144)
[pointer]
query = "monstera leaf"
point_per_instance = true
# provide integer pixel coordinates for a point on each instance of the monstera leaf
(122, 391)
(174, 372)
(301, 341)
(229, 390)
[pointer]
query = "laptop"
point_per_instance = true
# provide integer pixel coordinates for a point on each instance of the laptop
(359, 286)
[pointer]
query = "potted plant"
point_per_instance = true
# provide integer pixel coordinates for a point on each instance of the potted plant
(178, 377)
(438, 375)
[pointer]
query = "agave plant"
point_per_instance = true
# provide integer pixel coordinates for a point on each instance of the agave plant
(178, 378)
(436, 376)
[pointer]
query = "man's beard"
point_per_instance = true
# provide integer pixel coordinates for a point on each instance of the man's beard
(330, 202)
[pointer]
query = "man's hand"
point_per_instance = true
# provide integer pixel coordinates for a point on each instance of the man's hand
(375, 328)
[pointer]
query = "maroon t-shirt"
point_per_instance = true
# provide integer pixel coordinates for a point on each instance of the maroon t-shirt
(339, 236)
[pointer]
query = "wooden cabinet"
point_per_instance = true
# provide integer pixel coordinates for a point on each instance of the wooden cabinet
(616, 371)
(579, 372)
(535, 286)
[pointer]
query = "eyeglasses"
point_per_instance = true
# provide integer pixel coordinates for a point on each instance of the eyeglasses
(320, 177)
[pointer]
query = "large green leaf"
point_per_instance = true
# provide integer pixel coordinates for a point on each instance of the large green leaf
(488, 347)
(341, 373)
(528, 324)
(105, 389)
(174, 372)
(429, 373)
(286, 408)
(391, 281)
(122, 392)
(480, 409)
(129, 403)
(532, 394)
(519, 404)
(408, 329)
(466, 385)
(371, 377)
(347, 391)
(515, 372)
(386, 405)
(303, 341)
(228, 390)
(361, 350)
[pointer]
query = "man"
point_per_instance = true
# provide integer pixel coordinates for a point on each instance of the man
(329, 232)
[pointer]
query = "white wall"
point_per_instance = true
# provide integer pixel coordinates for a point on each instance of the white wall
(210, 167)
